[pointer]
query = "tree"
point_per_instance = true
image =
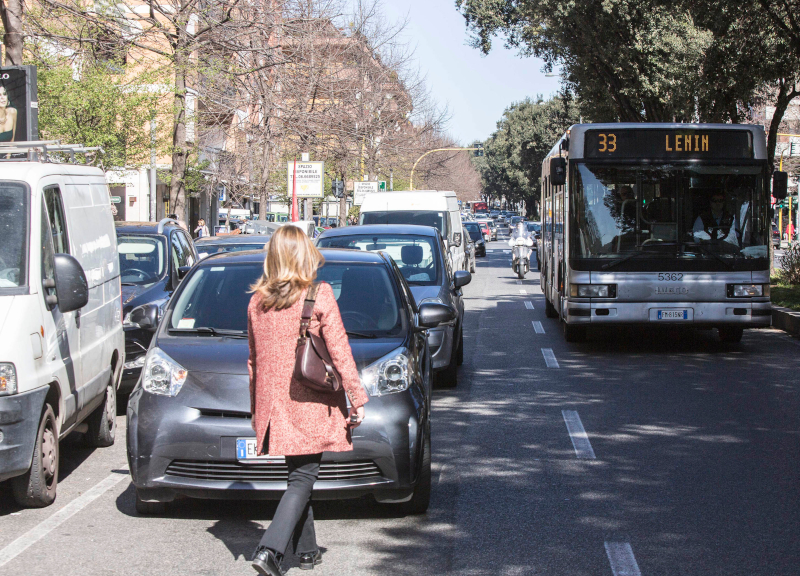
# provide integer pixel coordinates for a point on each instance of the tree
(11, 12)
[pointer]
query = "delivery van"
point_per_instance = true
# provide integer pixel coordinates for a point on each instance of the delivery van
(438, 209)
(63, 346)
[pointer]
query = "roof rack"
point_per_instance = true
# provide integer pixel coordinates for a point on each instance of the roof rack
(47, 151)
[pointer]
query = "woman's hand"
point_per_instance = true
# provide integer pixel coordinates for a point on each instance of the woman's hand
(359, 413)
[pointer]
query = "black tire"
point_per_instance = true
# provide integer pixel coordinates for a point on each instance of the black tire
(460, 351)
(730, 335)
(574, 333)
(520, 270)
(549, 310)
(421, 498)
(103, 421)
(472, 266)
(144, 508)
(37, 487)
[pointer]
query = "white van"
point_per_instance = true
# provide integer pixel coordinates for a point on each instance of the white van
(423, 208)
(62, 345)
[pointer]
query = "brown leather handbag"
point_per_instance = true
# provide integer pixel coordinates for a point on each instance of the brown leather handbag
(312, 364)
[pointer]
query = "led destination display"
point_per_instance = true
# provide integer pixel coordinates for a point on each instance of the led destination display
(669, 144)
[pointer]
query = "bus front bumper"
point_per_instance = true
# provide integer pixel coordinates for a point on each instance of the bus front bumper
(744, 314)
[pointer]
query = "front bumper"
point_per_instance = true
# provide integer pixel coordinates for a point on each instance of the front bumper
(744, 314)
(176, 450)
(440, 342)
(19, 425)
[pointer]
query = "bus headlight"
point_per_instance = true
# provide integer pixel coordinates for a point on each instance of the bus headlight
(747, 290)
(593, 290)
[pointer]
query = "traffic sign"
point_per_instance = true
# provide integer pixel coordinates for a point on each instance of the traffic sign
(382, 185)
(116, 199)
(361, 189)
(310, 179)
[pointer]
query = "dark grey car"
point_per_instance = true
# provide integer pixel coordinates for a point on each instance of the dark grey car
(236, 243)
(419, 252)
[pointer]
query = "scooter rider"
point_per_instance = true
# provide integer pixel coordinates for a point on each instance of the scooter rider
(521, 242)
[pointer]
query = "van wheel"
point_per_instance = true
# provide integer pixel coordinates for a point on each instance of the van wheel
(144, 508)
(37, 487)
(422, 491)
(549, 310)
(103, 421)
(730, 335)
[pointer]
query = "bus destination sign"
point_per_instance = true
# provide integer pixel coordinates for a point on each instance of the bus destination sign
(669, 144)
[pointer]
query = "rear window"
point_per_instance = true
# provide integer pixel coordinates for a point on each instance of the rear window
(208, 249)
(438, 220)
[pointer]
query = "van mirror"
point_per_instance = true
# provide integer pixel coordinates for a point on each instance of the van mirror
(457, 239)
(72, 289)
(558, 171)
(780, 185)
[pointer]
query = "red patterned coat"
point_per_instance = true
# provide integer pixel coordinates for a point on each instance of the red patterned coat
(300, 420)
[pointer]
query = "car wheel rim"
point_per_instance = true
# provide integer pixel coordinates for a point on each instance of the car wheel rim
(49, 452)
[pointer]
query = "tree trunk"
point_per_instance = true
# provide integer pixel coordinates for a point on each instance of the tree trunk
(786, 93)
(177, 188)
(11, 12)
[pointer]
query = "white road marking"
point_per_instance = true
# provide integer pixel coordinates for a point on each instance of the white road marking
(620, 556)
(46, 526)
(580, 441)
(537, 326)
(519, 281)
(506, 251)
(549, 358)
(523, 291)
(528, 304)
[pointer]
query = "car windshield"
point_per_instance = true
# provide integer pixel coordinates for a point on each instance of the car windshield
(207, 249)
(141, 259)
(534, 227)
(416, 256)
(437, 220)
(688, 211)
(13, 235)
(473, 229)
(216, 298)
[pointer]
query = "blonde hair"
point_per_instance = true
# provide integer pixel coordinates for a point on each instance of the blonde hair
(289, 268)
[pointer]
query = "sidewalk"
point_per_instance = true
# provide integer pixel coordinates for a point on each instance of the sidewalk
(786, 319)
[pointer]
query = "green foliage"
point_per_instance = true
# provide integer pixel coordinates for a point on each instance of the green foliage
(195, 181)
(97, 107)
(512, 164)
(790, 266)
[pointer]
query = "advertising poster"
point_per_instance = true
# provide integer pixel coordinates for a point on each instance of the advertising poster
(310, 179)
(18, 104)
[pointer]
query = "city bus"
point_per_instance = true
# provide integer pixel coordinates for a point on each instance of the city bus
(649, 224)
(478, 207)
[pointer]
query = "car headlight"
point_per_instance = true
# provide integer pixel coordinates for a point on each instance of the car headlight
(161, 374)
(136, 363)
(387, 375)
(747, 290)
(8, 379)
(593, 290)
(127, 323)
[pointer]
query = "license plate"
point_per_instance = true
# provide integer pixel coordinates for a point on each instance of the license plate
(246, 449)
(673, 314)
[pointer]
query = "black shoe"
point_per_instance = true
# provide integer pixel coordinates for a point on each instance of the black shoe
(267, 562)
(310, 559)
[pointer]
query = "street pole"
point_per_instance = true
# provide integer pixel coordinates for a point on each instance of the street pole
(153, 216)
(294, 192)
(391, 180)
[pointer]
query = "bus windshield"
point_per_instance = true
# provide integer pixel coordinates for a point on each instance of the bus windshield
(691, 212)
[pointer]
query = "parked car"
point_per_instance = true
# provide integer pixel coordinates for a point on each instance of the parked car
(239, 243)
(260, 227)
(189, 417)
(470, 251)
(60, 320)
(492, 228)
(420, 254)
(487, 232)
(153, 258)
(474, 231)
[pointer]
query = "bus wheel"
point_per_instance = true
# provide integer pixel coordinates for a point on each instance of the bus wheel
(549, 310)
(574, 333)
(730, 335)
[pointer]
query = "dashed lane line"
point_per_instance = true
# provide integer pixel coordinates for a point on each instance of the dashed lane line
(519, 281)
(623, 562)
(580, 441)
(537, 326)
(528, 304)
(46, 526)
(549, 358)
(523, 291)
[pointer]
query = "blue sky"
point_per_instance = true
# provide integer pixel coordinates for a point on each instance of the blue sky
(476, 88)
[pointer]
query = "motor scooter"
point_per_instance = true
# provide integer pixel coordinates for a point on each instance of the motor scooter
(521, 255)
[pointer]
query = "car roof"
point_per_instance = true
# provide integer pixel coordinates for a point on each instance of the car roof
(149, 228)
(235, 239)
(330, 255)
(408, 229)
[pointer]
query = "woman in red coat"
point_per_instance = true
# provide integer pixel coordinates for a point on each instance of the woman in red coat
(290, 419)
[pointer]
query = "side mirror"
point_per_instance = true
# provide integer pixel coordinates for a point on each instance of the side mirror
(182, 271)
(145, 316)
(780, 185)
(72, 289)
(457, 239)
(431, 314)
(461, 278)
(558, 171)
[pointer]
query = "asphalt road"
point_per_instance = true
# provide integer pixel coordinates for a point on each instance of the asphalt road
(652, 453)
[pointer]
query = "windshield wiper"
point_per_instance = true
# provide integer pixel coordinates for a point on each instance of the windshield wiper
(708, 252)
(207, 330)
(360, 334)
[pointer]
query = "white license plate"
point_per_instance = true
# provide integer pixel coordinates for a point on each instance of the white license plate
(246, 449)
(673, 314)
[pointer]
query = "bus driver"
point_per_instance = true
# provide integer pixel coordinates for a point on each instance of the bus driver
(717, 223)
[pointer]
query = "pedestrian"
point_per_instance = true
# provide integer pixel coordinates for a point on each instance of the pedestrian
(790, 232)
(202, 229)
(181, 224)
(290, 419)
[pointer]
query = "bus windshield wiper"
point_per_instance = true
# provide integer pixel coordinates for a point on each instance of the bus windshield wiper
(207, 330)
(708, 252)
(360, 334)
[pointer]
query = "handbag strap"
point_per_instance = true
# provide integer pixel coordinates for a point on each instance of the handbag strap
(308, 309)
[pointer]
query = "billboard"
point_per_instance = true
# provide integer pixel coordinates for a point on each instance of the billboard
(361, 189)
(310, 179)
(19, 106)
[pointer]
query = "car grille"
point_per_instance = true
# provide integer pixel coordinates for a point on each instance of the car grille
(231, 471)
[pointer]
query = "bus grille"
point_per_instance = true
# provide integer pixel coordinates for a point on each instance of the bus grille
(232, 471)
